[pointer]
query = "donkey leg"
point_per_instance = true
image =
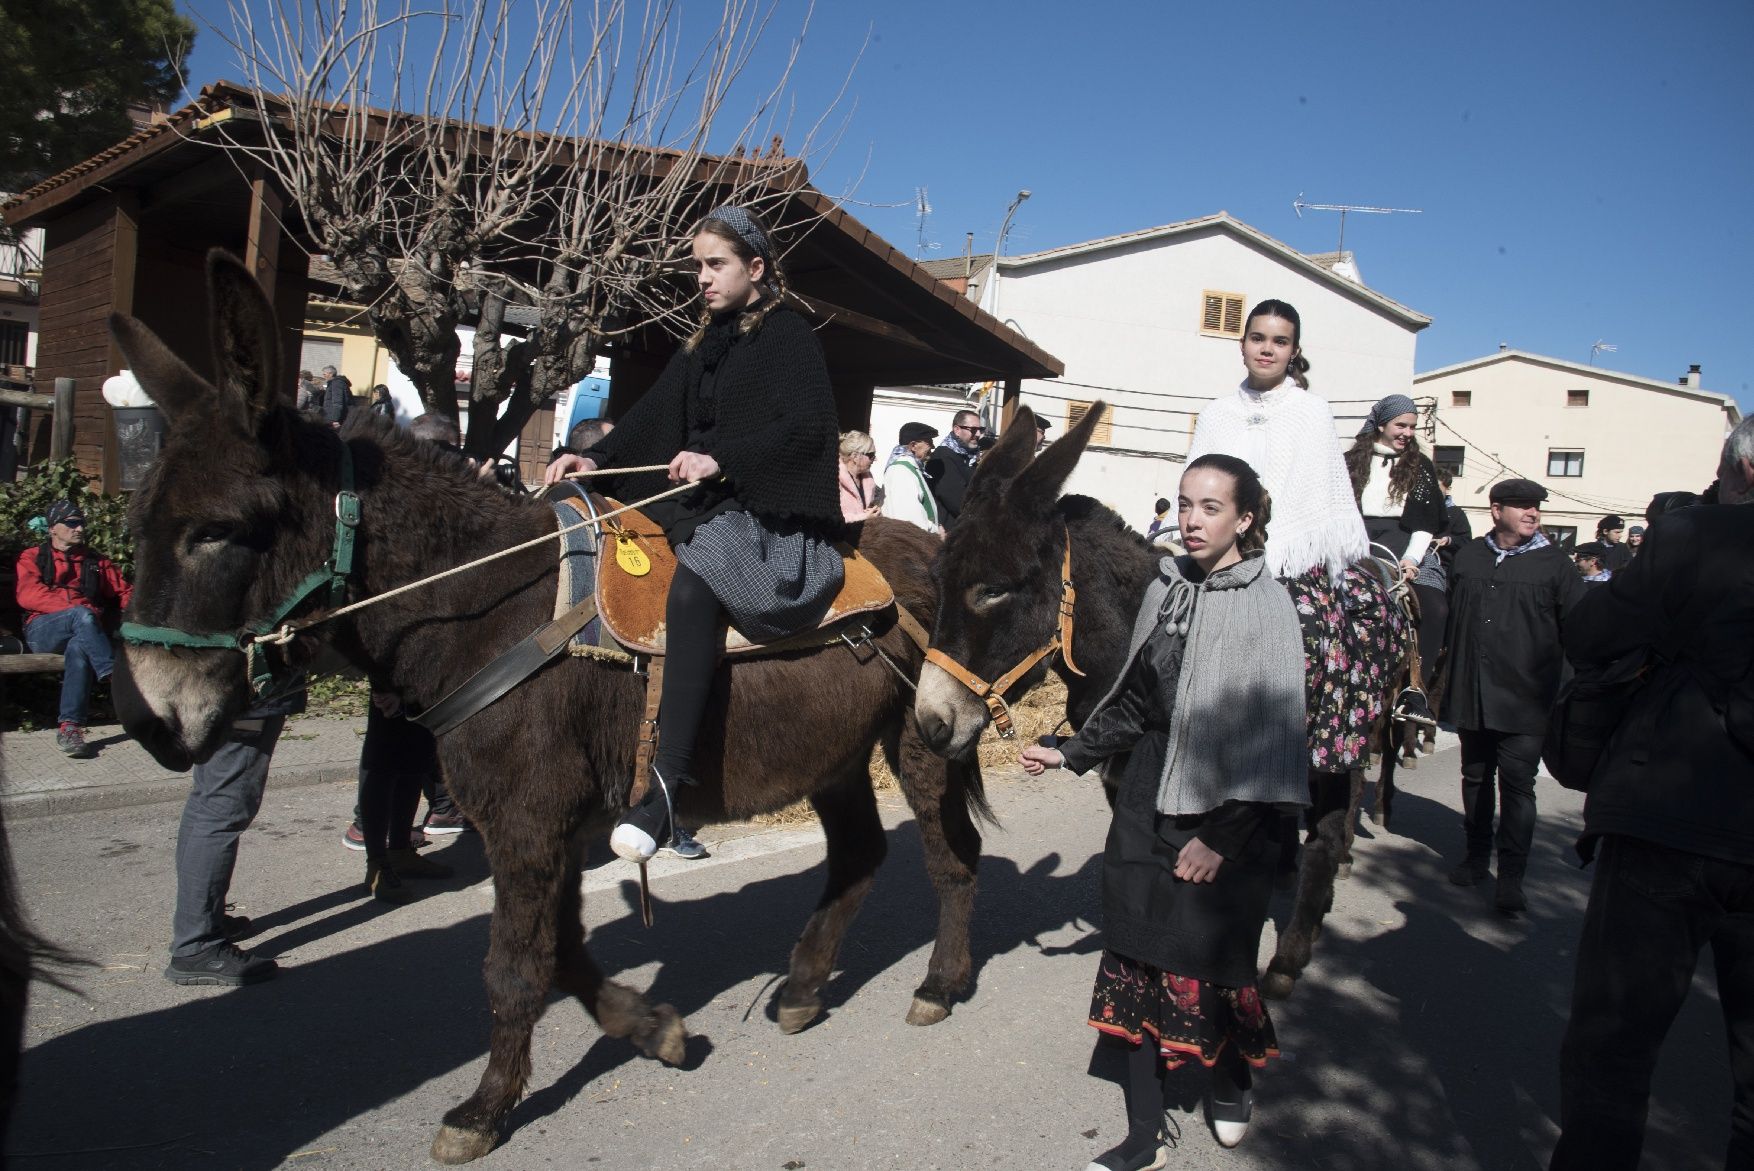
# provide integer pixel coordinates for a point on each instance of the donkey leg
(658, 1030)
(1354, 799)
(1315, 894)
(856, 846)
(1385, 795)
(519, 970)
(938, 790)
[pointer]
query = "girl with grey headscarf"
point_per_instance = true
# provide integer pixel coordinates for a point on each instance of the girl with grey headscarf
(1397, 491)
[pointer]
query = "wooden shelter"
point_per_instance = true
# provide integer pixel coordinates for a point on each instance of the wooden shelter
(127, 231)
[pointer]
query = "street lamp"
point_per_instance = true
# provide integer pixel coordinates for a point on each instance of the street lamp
(993, 280)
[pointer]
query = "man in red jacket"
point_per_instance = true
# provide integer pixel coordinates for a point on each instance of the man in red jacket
(67, 591)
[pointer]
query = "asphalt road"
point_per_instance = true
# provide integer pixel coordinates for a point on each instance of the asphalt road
(1425, 1035)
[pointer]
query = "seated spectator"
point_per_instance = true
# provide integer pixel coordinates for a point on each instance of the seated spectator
(70, 595)
(858, 489)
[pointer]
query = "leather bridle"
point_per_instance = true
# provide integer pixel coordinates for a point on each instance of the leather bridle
(993, 694)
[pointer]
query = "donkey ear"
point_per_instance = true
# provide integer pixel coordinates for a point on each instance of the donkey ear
(1008, 457)
(176, 390)
(1047, 474)
(246, 346)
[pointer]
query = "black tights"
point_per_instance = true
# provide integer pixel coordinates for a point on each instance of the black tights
(387, 803)
(693, 619)
(1433, 615)
(1147, 1088)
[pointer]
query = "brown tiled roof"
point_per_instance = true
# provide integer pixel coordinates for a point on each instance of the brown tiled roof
(953, 267)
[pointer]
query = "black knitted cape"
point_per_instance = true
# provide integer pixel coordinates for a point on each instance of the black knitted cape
(777, 438)
(1423, 511)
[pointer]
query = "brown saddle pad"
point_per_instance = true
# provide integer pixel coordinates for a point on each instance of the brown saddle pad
(632, 606)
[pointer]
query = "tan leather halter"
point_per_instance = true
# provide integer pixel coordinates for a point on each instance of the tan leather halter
(993, 694)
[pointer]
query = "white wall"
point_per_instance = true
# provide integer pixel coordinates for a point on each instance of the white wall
(1129, 318)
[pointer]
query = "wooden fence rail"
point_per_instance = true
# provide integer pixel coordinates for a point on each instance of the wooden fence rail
(60, 408)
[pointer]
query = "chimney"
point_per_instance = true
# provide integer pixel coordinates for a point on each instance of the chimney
(1691, 379)
(1503, 346)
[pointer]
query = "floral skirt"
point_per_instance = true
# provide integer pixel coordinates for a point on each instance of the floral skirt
(1187, 1018)
(1354, 638)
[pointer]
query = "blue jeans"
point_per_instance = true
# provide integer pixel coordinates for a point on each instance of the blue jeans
(224, 795)
(78, 634)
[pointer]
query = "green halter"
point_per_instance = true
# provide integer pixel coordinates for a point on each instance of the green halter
(332, 574)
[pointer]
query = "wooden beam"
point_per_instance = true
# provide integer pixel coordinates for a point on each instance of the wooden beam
(262, 239)
(30, 664)
(124, 262)
(27, 400)
(828, 311)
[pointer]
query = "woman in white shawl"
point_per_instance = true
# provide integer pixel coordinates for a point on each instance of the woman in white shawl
(1353, 633)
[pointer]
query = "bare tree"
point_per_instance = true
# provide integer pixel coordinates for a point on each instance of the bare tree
(494, 159)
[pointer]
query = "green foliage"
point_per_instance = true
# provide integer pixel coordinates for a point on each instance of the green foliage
(337, 695)
(71, 69)
(106, 519)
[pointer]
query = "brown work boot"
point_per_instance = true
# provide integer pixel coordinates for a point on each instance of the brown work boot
(385, 886)
(408, 864)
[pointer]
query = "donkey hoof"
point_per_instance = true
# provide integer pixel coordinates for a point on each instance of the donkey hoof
(664, 1036)
(1343, 871)
(1277, 985)
(456, 1145)
(926, 1012)
(795, 1016)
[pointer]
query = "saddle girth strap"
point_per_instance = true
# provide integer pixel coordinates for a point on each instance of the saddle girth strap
(646, 750)
(506, 670)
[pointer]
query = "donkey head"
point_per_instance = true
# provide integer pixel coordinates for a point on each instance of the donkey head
(233, 514)
(998, 578)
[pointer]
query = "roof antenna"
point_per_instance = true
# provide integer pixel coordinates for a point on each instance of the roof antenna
(1299, 206)
(923, 207)
(1601, 347)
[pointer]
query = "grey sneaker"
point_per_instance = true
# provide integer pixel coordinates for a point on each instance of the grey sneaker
(70, 738)
(685, 845)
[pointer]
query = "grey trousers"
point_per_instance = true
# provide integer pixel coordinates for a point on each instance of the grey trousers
(223, 800)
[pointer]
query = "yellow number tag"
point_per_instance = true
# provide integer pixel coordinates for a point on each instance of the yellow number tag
(631, 557)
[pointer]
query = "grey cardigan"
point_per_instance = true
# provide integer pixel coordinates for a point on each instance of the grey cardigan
(1238, 729)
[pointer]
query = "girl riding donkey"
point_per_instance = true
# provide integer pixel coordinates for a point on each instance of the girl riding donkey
(1210, 707)
(1353, 634)
(745, 409)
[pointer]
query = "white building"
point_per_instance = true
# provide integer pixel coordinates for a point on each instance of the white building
(1150, 322)
(1600, 441)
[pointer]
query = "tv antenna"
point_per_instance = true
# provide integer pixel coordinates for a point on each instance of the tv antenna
(1601, 347)
(923, 209)
(1299, 206)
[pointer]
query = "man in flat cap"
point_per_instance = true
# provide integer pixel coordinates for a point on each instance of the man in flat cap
(1591, 558)
(71, 596)
(1611, 535)
(907, 493)
(1509, 593)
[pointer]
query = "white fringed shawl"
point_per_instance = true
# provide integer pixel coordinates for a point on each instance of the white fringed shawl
(1287, 436)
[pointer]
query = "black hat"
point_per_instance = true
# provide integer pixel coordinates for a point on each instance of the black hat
(64, 512)
(1591, 549)
(1517, 492)
(1609, 523)
(914, 432)
(1041, 423)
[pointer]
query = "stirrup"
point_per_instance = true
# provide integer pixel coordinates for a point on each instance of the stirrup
(1412, 707)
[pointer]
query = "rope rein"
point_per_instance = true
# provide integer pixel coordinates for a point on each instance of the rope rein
(292, 629)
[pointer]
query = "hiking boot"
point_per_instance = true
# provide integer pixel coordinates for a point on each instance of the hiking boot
(70, 738)
(1471, 871)
(685, 845)
(1508, 898)
(445, 823)
(221, 964)
(408, 864)
(646, 826)
(385, 885)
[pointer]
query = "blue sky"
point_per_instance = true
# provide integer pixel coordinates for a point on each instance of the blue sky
(1586, 170)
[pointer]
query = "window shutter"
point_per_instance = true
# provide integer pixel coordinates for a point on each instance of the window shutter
(1233, 315)
(1103, 435)
(1212, 320)
(1221, 313)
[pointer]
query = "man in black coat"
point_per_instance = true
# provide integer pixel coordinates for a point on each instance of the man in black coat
(1611, 535)
(1669, 822)
(951, 466)
(1508, 594)
(337, 396)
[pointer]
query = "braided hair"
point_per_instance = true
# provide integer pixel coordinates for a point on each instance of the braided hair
(1250, 495)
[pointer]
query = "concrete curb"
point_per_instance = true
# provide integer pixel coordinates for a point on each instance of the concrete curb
(153, 792)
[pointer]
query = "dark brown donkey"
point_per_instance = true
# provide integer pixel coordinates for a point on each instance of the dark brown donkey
(241, 507)
(999, 589)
